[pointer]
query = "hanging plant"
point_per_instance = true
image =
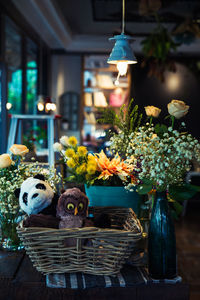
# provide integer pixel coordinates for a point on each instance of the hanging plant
(157, 48)
(159, 44)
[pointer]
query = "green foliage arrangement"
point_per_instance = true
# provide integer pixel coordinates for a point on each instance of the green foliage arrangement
(126, 122)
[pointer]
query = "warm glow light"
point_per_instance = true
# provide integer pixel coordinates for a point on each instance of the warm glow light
(40, 106)
(48, 106)
(53, 106)
(118, 91)
(117, 82)
(122, 67)
(173, 82)
(8, 105)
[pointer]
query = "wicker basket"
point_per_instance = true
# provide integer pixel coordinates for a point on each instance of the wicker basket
(103, 254)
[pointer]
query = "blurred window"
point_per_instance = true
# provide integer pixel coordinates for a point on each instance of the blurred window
(31, 77)
(13, 59)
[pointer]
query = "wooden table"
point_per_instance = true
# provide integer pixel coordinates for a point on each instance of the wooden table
(20, 280)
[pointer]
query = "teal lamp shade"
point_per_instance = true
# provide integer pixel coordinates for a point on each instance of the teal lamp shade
(122, 51)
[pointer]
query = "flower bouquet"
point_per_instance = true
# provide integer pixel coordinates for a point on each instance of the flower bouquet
(13, 171)
(95, 168)
(103, 177)
(162, 156)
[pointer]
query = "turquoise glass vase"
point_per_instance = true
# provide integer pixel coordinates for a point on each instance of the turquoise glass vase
(112, 196)
(161, 240)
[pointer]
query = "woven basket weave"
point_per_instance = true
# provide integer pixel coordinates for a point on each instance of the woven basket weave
(103, 254)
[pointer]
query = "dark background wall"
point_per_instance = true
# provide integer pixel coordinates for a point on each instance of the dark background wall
(183, 85)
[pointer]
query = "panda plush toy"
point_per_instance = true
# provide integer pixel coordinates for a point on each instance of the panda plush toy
(38, 200)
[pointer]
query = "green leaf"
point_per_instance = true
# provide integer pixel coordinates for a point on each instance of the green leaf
(183, 192)
(144, 189)
(70, 178)
(147, 181)
(160, 129)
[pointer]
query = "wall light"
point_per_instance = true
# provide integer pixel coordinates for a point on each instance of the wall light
(122, 54)
(8, 105)
(45, 103)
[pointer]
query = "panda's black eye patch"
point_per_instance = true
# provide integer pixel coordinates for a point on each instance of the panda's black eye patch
(24, 197)
(35, 195)
(40, 186)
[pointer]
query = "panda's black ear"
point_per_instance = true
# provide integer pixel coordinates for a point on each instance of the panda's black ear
(17, 192)
(39, 176)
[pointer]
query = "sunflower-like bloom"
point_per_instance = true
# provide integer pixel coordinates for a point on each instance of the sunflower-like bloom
(71, 163)
(109, 167)
(72, 141)
(69, 152)
(91, 169)
(81, 169)
(82, 151)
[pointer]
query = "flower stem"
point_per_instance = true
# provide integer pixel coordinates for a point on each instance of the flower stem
(173, 119)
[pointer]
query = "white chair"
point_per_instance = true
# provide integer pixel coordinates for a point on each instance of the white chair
(16, 123)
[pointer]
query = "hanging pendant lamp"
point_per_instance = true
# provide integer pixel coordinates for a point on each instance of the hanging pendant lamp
(122, 54)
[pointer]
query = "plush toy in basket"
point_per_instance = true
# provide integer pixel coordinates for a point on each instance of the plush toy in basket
(38, 200)
(72, 210)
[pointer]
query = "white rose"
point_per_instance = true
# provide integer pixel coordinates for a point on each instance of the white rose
(64, 140)
(152, 111)
(57, 147)
(5, 161)
(177, 108)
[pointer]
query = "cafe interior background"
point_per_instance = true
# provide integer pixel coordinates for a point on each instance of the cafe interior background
(53, 61)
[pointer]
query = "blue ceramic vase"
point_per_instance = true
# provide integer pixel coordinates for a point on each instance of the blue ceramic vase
(112, 196)
(161, 240)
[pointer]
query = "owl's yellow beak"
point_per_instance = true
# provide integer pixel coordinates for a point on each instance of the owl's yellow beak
(75, 211)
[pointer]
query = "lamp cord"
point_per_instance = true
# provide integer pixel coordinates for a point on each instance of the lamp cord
(123, 15)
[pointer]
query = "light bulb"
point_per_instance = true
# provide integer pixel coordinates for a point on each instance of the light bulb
(53, 106)
(40, 106)
(122, 67)
(116, 82)
(48, 106)
(8, 105)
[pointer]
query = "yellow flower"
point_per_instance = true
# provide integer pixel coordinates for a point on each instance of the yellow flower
(87, 176)
(19, 149)
(76, 158)
(71, 163)
(72, 141)
(92, 163)
(69, 152)
(91, 169)
(91, 157)
(152, 111)
(81, 169)
(5, 161)
(82, 151)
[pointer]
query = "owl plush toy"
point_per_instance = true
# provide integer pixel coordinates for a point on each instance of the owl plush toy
(72, 209)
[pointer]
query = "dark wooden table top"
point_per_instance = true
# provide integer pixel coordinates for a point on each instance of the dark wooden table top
(20, 280)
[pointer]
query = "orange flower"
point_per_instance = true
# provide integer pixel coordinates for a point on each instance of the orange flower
(109, 167)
